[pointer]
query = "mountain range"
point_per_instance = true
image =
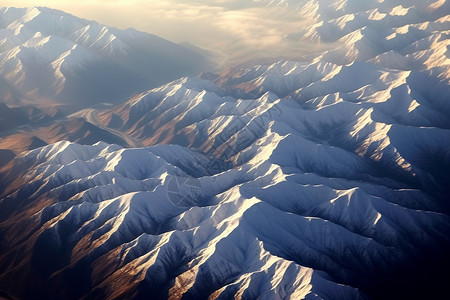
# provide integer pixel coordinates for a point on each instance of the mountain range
(48, 56)
(321, 178)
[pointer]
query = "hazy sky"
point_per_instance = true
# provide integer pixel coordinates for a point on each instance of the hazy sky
(235, 28)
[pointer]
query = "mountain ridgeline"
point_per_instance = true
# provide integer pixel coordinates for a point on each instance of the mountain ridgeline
(324, 178)
(48, 55)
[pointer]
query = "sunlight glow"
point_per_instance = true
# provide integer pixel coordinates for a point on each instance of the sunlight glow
(226, 27)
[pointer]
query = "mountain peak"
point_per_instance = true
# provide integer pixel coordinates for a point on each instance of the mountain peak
(103, 54)
(314, 178)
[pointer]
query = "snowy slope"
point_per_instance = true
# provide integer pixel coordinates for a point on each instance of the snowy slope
(48, 54)
(320, 179)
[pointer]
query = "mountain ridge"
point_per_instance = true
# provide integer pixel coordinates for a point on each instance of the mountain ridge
(70, 49)
(310, 179)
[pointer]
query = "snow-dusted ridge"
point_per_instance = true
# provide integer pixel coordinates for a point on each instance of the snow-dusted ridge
(48, 54)
(321, 179)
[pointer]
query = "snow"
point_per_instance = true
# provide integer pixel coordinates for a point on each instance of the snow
(301, 179)
(68, 48)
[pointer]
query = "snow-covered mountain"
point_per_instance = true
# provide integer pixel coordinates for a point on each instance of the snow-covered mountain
(47, 54)
(318, 179)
